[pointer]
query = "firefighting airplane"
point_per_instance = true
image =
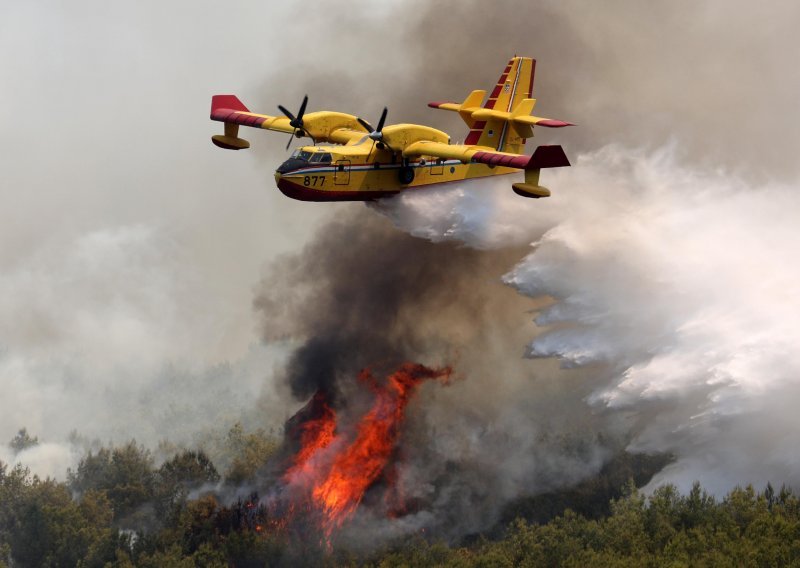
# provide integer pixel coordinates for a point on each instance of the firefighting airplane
(352, 161)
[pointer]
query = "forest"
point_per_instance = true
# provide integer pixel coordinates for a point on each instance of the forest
(118, 508)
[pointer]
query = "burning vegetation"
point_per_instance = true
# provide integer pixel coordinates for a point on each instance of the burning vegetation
(333, 468)
(336, 462)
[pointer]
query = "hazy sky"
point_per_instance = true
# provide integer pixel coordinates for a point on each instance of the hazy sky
(108, 106)
(130, 246)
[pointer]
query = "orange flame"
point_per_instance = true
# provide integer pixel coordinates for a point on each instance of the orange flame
(316, 434)
(335, 469)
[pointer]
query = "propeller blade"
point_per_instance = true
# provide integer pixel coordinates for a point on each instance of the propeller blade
(383, 119)
(302, 109)
(289, 143)
(366, 125)
(286, 112)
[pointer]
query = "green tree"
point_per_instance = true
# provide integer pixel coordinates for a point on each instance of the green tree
(249, 453)
(177, 477)
(45, 527)
(125, 474)
(22, 441)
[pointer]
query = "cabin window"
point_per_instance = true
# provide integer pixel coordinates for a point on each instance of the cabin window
(301, 154)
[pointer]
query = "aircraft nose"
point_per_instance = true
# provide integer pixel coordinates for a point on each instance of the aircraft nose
(291, 164)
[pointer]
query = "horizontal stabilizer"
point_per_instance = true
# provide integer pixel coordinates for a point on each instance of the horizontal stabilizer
(465, 109)
(490, 114)
(445, 105)
(470, 104)
(539, 121)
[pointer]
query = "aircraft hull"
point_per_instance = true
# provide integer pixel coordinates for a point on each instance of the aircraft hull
(366, 182)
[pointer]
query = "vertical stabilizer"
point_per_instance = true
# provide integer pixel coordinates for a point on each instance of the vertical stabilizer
(514, 86)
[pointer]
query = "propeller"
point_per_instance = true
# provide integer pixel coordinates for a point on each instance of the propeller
(295, 122)
(376, 134)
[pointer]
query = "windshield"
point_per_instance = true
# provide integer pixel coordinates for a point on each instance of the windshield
(322, 157)
(301, 154)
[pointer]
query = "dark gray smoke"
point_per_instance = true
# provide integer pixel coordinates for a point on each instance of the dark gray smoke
(363, 294)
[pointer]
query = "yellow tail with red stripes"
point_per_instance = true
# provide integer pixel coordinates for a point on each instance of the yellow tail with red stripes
(504, 121)
(511, 93)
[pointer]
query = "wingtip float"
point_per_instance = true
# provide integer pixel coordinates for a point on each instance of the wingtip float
(349, 160)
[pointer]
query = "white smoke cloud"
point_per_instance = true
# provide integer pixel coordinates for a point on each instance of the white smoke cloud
(45, 460)
(129, 244)
(108, 335)
(680, 282)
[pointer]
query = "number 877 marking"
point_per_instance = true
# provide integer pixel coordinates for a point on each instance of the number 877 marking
(314, 181)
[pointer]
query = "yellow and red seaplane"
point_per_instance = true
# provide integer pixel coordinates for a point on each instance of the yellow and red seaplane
(350, 160)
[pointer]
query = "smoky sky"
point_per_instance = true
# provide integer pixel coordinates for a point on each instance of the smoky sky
(717, 77)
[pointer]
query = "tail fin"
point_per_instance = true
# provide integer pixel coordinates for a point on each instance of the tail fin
(514, 86)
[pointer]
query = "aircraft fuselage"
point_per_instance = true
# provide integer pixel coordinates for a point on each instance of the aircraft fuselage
(368, 175)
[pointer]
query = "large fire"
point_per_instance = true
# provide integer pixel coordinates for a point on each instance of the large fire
(316, 433)
(332, 470)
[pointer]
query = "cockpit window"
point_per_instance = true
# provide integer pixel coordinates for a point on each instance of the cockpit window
(320, 157)
(301, 154)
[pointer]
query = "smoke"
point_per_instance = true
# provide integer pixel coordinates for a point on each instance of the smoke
(718, 77)
(633, 247)
(109, 323)
(128, 244)
(669, 253)
(674, 282)
(364, 295)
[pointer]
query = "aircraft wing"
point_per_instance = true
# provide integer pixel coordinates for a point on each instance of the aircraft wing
(323, 126)
(229, 109)
(543, 156)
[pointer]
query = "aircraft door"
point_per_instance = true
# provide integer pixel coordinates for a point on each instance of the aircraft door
(342, 174)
